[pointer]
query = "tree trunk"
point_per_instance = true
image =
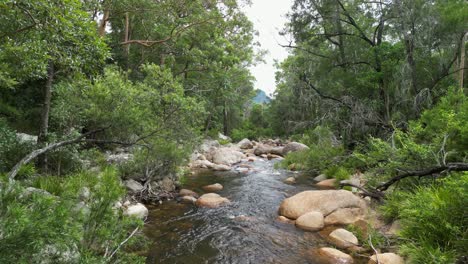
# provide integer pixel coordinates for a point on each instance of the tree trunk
(103, 24)
(384, 97)
(225, 119)
(126, 38)
(409, 46)
(44, 125)
(462, 61)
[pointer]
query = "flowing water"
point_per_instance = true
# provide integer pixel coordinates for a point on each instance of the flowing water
(245, 231)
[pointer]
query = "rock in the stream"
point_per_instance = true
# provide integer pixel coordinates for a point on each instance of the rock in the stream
(221, 167)
(285, 220)
(311, 221)
(213, 187)
(133, 186)
(211, 200)
(386, 258)
(342, 238)
(188, 199)
(273, 156)
(137, 210)
(266, 149)
(204, 164)
(293, 147)
(329, 183)
(344, 216)
(327, 255)
(187, 192)
(290, 180)
(227, 156)
(252, 159)
(324, 201)
(242, 170)
(321, 177)
(245, 144)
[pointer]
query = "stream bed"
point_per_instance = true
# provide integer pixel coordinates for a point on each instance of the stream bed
(245, 231)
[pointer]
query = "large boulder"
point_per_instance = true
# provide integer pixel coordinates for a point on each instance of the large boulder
(227, 156)
(328, 255)
(386, 258)
(211, 200)
(245, 144)
(311, 221)
(293, 147)
(137, 210)
(267, 149)
(344, 216)
(324, 201)
(213, 187)
(342, 238)
(208, 144)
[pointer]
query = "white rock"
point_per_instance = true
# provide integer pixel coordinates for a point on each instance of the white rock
(138, 210)
(227, 156)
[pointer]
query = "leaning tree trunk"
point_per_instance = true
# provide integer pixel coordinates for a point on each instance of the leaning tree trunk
(44, 125)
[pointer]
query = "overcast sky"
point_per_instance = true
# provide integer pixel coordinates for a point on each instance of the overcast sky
(268, 17)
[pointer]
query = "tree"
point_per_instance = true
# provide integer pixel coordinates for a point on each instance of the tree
(54, 38)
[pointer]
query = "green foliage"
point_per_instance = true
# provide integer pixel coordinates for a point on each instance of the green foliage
(65, 227)
(256, 125)
(337, 172)
(12, 150)
(323, 154)
(433, 220)
(371, 235)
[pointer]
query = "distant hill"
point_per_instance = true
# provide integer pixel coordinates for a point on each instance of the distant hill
(261, 97)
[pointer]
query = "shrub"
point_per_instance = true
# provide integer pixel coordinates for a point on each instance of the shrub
(323, 154)
(64, 227)
(12, 149)
(433, 220)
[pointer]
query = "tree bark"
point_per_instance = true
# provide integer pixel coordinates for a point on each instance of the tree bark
(44, 125)
(225, 119)
(462, 61)
(103, 24)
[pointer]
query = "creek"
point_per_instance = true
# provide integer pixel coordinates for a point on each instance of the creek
(245, 231)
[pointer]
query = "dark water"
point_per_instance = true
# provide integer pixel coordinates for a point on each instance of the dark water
(246, 231)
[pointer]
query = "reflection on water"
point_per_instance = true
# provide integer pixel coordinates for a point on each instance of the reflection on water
(243, 232)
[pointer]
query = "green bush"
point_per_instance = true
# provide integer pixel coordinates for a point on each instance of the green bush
(323, 154)
(433, 220)
(66, 227)
(12, 149)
